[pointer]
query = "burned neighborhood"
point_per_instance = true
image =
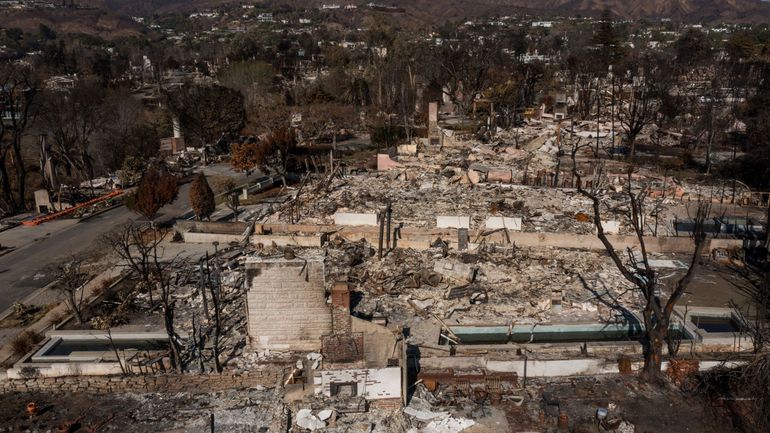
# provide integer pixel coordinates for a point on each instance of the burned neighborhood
(291, 216)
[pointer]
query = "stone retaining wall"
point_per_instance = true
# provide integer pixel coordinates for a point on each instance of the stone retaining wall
(167, 383)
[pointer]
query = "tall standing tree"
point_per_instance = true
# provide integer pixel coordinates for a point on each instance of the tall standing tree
(18, 90)
(656, 311)
(247, 156)
(162, 276)
(71, 118)
(606, 38)
(233, 203)
(131, 245)
(713, 119)
(155, 190)
(71, 281)
(754, 167)
(325, 120)
(464, 68)
(693, 49)
(125, 121)
(584, 73)
(207, 112)
(202, 197)
(507, 99)
(648, 80)
(275, 151)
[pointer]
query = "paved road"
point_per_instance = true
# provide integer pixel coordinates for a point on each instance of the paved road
(24, 270)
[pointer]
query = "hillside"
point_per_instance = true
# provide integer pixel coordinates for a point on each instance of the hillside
(756, 11)
(94, 22)
(688, 10)
(111, 18)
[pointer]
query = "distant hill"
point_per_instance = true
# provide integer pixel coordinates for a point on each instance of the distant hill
(146, 7)
(756, 11)
(687, 10)
(111, 18)
(94, 22)
(707, 11)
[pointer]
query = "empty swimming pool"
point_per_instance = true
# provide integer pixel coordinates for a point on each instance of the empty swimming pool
(716, 324)
(88, 346)
(548, 333)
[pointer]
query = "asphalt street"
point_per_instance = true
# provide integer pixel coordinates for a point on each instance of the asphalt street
(27, 268)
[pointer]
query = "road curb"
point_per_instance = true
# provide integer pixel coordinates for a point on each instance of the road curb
(26, 300)
(99, 212)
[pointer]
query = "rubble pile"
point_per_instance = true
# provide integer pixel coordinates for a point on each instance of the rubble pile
(194, 307)
(327, 420)
(233, 411)
(480, 182)
(511, 282)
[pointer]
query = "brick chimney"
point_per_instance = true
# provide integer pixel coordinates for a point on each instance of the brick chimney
(341, 321)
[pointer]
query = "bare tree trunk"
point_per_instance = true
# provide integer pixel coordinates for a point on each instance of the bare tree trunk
(653, 356)
(639, 273)
(164, 284)
(216, 301)
(217, 326)
(6, 180)
(709, 146)
(168, 322)
(21, 174)
(75, 306)
(598, 115)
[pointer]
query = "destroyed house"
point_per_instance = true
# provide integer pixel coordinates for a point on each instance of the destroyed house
(288, 309)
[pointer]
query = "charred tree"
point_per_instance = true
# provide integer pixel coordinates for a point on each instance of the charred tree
(71, 282)
(637, 271)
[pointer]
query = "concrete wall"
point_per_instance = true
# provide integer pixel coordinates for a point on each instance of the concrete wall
(591, 242)
(286, 302)
(502, 176)
(207, 238)
(407, 149)
(494, 223)
(372, 383)
(355, 219)
(724, 243)
(433, 113)
(611, 227)
(453, 222)
(384, 162)
(288, 240)
(555, 368)
(421, 238)
(211, 227)
(378, 342)
(544, 367)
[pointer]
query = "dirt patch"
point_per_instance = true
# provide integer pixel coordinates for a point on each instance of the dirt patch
(25, 315)
(649, 408)
(140, 413)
